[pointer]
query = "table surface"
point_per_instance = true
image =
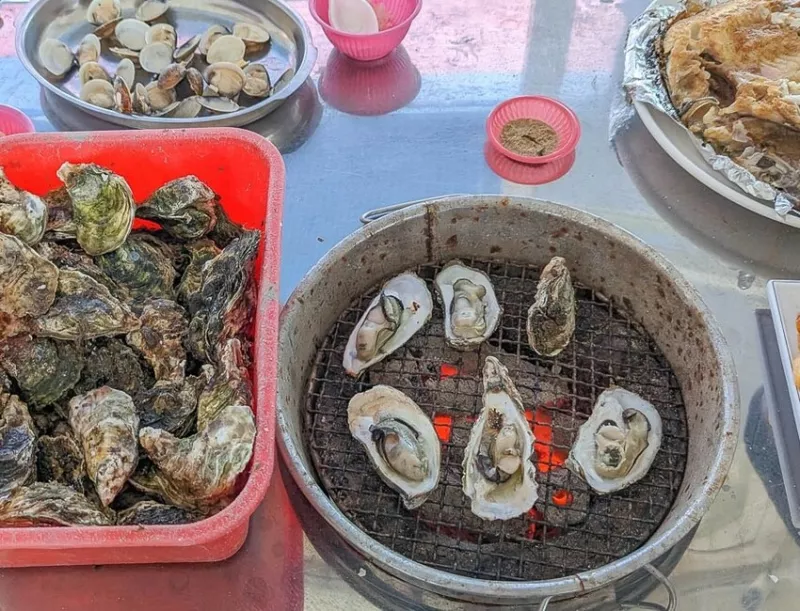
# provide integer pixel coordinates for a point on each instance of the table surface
(459, 60)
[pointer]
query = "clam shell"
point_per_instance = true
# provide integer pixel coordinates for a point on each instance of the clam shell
(187, 108)
(124, 53)
(254, 36)
(171, 76)
(88, 49)
(131, 33)
(150, 10)
(56, 57)
(141, 101)
(228, 79)
(155, 57)
(218, 104)
(158, 98)
(227, 48)
(209, 36)
(283, 80)
(161, 32)
(186, 50)
(257, 84)
(123, 101)
(98, 92)
(106, 30)
(92, 71)
(103, 11)
(126, 70)
(195, 80)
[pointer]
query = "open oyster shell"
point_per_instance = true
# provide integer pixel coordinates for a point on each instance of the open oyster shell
(617, 445)
(49, 504)
(402, 308)
(498, 473)
(400, 441)
(471, 309)
(551, 318)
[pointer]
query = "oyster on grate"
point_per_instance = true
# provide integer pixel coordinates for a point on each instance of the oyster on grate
(616, 446)
(102, 206)
(229, 384)
(17, 444)
(551, 318)
(203, 468)
(44, 369)
(84, 309)
(400, 441)
(22, 214)
(59, 459)
(184, 207)
(105, 424)
(471, 309)
(153, 513)
(28, 281)
(163, 328)
(403, 306)
(49, 504)
(498, 473)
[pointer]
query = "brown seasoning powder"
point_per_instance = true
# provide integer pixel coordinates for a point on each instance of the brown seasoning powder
(529, 137)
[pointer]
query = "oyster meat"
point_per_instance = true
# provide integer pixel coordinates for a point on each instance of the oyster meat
(163, 328)
(471, 309)
(28, 281)
(44, 369)
(498, 473)
(203, 468)
(184, 207)
(616, 446)
(400, 441)
(551, 318)
(229, 384)
(59, 459)
(17, 444)
(102, 206)
(22, 214)
(49, 504)
(106, 424)
(402, 308)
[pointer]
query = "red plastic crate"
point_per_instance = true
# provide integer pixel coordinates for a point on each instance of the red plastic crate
(248, 174)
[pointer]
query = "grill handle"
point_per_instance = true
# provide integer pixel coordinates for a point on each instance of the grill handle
(672, 603)
(376, 213)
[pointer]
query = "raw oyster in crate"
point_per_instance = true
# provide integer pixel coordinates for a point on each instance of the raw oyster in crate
(229, 384)
(160, 337)
(28, 281)
(59, 459)
(49, 504)
(186, 208)
(18, 444)
(22, 214)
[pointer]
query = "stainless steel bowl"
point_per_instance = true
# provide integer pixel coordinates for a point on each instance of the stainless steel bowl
(527, 231)
(291, 48)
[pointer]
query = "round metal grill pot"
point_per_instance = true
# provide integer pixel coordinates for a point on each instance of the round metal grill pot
(527, 232)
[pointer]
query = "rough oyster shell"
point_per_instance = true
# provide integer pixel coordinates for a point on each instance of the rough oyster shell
(403, 306)
(163, 329)
(49, 504)
(616, 446)
(18, 444)
(44, 369)
(28, 281)
(109, 362)
(204, 466)
(153, 513)
(201, 252)
(143, 266)
(228, 385)
(60, 222)
(59, 459)
(84, 309)
(551, 318)
(22, 214)
(400, 441)
(471, 309)
(498, 474)
(106, 424)
(171, 405)
(185, 208)
(102, 205)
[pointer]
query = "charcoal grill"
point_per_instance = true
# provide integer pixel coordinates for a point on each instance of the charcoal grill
(639, 326)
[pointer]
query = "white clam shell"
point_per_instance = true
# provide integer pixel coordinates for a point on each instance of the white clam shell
(155, 57)
(161, 32)
(227, 48)
(150, 10)
(91, 71)
(98, 92)
(186, 49)
(131, 33)
(227, 78)
(257, 84)
(218, 104)
(126, 70)
(210, 36)
(88, 49)
(103, 11)
(56, 57)
(159, 99)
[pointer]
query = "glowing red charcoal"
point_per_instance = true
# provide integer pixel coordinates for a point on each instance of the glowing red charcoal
(447, 371)
(562, 498)
(443, 425)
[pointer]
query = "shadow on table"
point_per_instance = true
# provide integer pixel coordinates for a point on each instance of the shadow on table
(288, 127)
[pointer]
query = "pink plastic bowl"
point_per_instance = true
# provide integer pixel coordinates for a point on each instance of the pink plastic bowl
(13, 121)
(394, 18)
(547, 110)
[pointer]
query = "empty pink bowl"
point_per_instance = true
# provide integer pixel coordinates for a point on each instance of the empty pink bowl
(14, 121)
(394, 19)
(546, 110)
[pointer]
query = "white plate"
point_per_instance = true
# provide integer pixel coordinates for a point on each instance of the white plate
(784, 303)
(679, 145)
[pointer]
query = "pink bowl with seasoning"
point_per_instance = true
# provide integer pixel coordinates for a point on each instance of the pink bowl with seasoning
(14, 121)
(394, 21)
(547, 110)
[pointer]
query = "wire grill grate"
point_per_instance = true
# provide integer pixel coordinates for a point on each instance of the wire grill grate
(551, 540)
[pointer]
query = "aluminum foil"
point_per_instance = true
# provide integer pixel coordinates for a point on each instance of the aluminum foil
(644, 82)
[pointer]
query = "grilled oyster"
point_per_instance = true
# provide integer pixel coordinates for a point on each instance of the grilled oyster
(228, 385)
(201, 252)
(400, 441)
(204, 466)
(84, 309)
(221, 310)
(18, 444)
(163, 328)
(28, 281)
(22, 214)
(59, 459)
(153, 513)
(184, 207)
(105, 423)
(551, 318)
(402, 308)
(498, 474)
(43, 368)
(49, 504)
(471, 309)
(616, 446)
(102, 206)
